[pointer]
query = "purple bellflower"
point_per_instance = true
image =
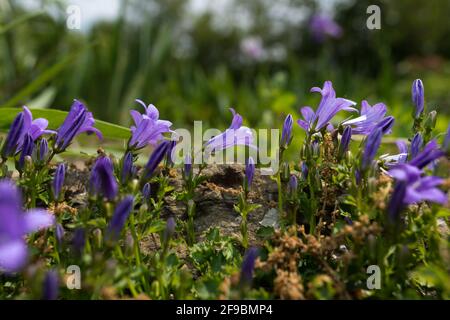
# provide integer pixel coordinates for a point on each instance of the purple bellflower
(430, 153)
(418, 97)
(15, 224)
(286, 134)
(22, 125)
(58, 180)
(155, 159)
(371, 146)
(370, 118)
(329, 106)
(249, 172)
(323, 26)
(147, 129)
(119, 217)
(418, 188)
(102, 180)
(235, 135)
(79, 120)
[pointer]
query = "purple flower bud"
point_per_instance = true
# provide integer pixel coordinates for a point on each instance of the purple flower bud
(102, 180)
(293, 184)
(286, 134)
(170, 149)
(304, 171)
(187, 166)
(170, 230)
(155, 159)
(14, 136)
(345, 141)
(315, 149)
(27, 150)
(58, 180)
(396, 203)
(120, 216)
(348, 220)
(249, 172)
(78, 121)
(127, 167)
(386, 124)
(79, 240)
(146, 192)
(51, 286)
(59, 232)
(416, 145)
(418, 97)
(248, 265)
(373, 142)
(43, 150)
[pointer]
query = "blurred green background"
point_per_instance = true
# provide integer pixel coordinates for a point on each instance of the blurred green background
(194, 59)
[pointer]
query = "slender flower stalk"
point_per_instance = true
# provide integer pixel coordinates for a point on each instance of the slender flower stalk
(293, 199)
(244, 207)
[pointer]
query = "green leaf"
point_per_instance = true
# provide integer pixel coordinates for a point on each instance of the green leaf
(56, 118)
